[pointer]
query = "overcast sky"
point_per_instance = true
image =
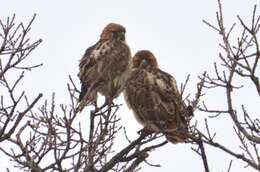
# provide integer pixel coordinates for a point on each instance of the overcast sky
(172, 30)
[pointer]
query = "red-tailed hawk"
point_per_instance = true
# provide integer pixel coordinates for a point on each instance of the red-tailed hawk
(104, 66)
(153, 96)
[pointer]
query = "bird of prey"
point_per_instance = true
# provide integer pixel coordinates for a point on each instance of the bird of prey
(103, 68)
(153, 96)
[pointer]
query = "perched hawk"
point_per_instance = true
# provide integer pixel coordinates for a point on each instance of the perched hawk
(155, 100)
(104, 66)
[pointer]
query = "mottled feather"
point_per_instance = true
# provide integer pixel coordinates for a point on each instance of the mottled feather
(104, 66)
(153, 96)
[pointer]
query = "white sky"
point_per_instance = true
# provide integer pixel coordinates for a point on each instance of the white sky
(172, 30)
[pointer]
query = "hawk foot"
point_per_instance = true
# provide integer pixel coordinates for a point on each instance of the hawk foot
(144, 131)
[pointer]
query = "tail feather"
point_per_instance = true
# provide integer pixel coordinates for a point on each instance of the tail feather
(83, 91)
(87, 96)
(176, 133)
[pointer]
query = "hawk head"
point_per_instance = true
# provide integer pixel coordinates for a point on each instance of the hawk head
(144, 59)
(113, 31)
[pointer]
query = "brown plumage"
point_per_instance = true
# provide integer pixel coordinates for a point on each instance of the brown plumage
(104, 66)
(155, 100)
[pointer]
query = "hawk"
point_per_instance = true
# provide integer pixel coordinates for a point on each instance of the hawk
(103, 68)
(153, 96)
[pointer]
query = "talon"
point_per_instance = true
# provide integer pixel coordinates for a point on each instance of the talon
(144, 131)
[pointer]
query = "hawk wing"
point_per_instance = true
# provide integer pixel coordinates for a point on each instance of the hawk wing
(103, 69)
(87, 70)
(154, 97)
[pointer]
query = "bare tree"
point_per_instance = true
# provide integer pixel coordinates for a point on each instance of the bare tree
(15, 47)
(50, 138)
(238, 61)
(54, 138)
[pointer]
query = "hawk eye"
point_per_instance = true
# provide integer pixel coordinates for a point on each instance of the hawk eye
(119, 35)
(144, 62)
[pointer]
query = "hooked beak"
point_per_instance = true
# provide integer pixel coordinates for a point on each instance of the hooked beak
(122, 36)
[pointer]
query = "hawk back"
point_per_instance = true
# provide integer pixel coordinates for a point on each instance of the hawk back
(155, 100)
(103, 69)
